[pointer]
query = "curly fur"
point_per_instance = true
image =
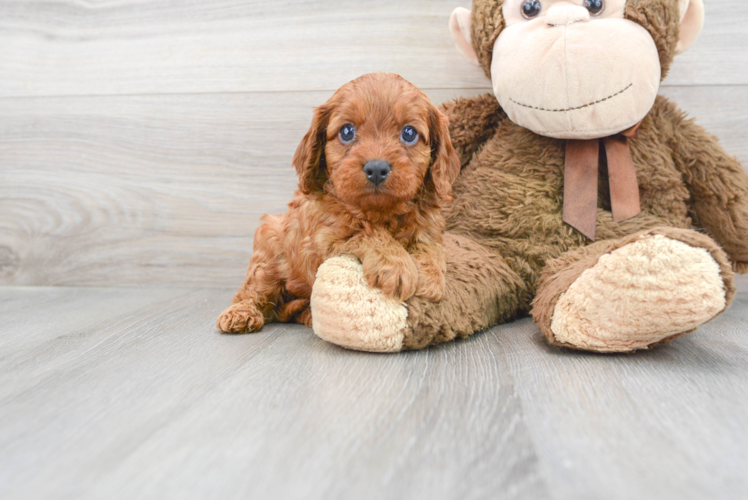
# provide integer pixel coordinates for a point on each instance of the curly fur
(394, 229)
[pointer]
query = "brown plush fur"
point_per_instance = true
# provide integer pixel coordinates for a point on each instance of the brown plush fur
(395, 229)
(506, 222)
(475, 277)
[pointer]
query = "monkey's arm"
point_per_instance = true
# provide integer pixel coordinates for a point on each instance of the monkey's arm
(472, 121)
(718, 185)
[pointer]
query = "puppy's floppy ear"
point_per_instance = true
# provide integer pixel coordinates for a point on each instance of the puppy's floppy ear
(309, 159)
(445, 162)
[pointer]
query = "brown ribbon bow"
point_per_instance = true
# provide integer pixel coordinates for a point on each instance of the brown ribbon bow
(580, 181)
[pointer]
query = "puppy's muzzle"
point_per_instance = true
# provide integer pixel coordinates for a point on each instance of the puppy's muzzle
(377, 171)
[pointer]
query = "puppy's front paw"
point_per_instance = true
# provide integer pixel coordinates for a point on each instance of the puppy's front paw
(397, 278)
(431, 286)
(242, 317)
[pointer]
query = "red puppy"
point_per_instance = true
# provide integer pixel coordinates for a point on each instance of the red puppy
(374, 170)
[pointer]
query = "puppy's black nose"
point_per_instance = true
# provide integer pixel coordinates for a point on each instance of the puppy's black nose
(377, 171)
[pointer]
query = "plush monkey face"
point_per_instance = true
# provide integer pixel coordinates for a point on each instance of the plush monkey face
(576, 69)
(564, 72)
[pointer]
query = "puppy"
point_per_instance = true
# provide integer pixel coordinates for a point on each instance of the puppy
(374, 170)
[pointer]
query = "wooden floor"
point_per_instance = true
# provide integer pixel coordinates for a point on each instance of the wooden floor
(130, 393)
(139, 144)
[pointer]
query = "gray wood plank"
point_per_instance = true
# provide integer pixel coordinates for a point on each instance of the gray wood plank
(156, 404)
(43, 329)
(179, 46)
(168, 408)
(671, 423)
(119, 190)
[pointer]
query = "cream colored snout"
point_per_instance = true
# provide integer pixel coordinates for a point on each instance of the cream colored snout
(563, 15)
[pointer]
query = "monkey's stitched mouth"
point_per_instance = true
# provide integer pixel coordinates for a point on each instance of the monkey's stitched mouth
(576, 108)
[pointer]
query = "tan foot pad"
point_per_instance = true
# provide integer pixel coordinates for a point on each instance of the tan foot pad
(638, 295)
(348, 312)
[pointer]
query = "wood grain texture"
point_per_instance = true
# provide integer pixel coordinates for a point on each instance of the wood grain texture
(140, 398)
(139, 144)
(130, 393)
(170, 189)
(668, 423)
(179, 46)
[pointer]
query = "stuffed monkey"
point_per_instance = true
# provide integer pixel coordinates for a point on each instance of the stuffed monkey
(585, 199)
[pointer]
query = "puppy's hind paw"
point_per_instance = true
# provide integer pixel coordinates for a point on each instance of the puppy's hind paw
(242, 317)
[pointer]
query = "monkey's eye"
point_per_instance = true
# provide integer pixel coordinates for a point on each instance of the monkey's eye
(531, 8)
(595, 6)
(409, 135)
(347, 133)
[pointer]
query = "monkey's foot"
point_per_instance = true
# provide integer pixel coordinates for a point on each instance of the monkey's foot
(349, 313)
(643, 293)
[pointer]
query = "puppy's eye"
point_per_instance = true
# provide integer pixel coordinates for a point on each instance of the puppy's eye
(347, 133)
(409, 135)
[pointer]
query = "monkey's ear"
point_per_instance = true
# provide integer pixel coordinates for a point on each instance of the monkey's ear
(691, 22)
(309, 159)
(460, 24)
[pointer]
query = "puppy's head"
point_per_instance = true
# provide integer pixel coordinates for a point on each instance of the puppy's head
(377, 144)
